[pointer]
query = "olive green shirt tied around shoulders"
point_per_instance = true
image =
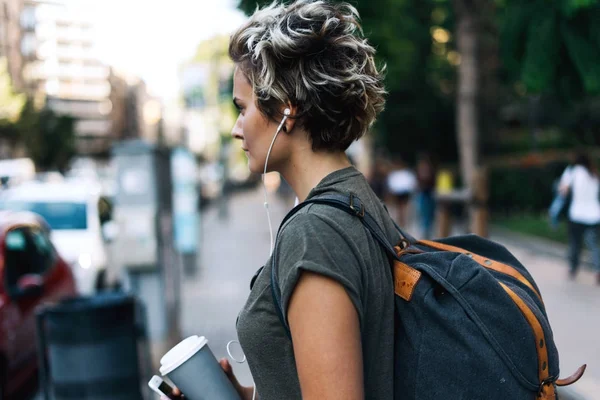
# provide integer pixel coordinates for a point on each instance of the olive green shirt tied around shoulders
(333, 243)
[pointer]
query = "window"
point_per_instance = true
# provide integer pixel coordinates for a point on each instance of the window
(42, 251)
(28, 44)
(28, 18)
(58, 215)
(28, 251)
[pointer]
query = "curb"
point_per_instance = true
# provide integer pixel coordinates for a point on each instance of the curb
(541, 245)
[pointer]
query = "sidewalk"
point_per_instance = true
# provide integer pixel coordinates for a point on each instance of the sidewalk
(541, 245)
(572, 307)
(234, 248)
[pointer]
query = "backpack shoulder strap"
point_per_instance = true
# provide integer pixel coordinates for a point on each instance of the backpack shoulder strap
(349, 203)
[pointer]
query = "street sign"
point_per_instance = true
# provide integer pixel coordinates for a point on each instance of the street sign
(185, 201)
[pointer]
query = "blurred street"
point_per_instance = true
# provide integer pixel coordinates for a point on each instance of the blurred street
(234, 248)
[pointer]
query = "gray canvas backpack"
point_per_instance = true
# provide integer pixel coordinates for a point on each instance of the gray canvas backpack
(470, 320)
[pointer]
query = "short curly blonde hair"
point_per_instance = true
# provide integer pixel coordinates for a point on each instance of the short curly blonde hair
(313, 55)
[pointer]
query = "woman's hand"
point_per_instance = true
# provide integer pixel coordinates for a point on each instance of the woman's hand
(245, 392)
(563, 190)
(176, 395)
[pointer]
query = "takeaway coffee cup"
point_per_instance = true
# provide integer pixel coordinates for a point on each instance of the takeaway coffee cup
(192, 366)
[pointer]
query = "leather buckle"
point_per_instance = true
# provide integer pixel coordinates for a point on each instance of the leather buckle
(358, 212)
(548, 381)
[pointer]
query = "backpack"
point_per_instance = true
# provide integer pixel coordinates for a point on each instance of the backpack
(470, 320)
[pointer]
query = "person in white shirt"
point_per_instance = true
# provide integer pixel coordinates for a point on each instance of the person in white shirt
(582, 182)
(401, 184)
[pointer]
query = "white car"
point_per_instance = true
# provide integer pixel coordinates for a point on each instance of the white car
(71, 210)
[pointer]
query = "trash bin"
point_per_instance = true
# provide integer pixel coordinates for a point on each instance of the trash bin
(88, 348)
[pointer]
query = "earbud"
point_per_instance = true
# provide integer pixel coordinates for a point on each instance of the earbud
(286, 113)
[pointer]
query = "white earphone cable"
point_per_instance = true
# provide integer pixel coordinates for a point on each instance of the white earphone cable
(243, 360)
(266, 203)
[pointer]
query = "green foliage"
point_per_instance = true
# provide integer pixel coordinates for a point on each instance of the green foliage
(11, 105)
(48, 138)
(539, 69)
(553, 46)
(523, 189)
(585, 55)
(534, 224)
(571, 7)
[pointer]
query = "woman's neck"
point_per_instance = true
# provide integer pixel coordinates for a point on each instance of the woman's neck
(306, 168)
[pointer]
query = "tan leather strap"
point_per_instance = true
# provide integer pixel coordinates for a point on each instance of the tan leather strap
(573, 378)
(547, 392)
(546, 389)
(484, 262)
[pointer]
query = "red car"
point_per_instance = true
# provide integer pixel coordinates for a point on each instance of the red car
(31, 274)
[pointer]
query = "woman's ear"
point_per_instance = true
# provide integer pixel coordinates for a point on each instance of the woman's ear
(290, 121)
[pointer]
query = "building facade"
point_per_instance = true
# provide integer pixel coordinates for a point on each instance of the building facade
(10, 39)
(63, 72)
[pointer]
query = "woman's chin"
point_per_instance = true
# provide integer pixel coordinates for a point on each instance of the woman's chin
(254, 167)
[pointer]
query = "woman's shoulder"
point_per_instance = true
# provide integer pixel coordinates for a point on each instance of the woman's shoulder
(583, 173)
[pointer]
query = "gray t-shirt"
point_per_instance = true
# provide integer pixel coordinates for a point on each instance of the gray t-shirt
(327, 241)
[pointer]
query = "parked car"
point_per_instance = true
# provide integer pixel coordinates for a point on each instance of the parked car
(72, 210)
(32, 273)
(16, 170)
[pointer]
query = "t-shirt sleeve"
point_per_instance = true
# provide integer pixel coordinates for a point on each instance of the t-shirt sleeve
(313, 243)
(567, 178)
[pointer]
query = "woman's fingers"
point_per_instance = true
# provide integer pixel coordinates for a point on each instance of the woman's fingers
(226, 367)
(176, 393)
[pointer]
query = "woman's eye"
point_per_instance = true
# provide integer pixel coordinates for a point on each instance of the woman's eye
(239, 109)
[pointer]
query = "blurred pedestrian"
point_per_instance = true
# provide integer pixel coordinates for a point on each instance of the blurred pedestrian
(426, 178)
(401, 184)
(307, 86)
(378, 176)
(582, 183)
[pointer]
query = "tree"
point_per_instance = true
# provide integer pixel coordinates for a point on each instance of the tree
(48, 138)
(553, 46)
(468, 34)
(552, 49)
(11, 104)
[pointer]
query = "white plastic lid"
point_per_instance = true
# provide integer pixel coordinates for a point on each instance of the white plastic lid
(181, 353)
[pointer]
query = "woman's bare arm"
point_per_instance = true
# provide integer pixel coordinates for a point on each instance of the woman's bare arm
(326, 338)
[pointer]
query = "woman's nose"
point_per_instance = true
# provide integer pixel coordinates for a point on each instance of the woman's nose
(236, 132)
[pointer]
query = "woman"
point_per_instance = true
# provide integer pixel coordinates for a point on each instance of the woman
(581, 180)
(337, 292)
